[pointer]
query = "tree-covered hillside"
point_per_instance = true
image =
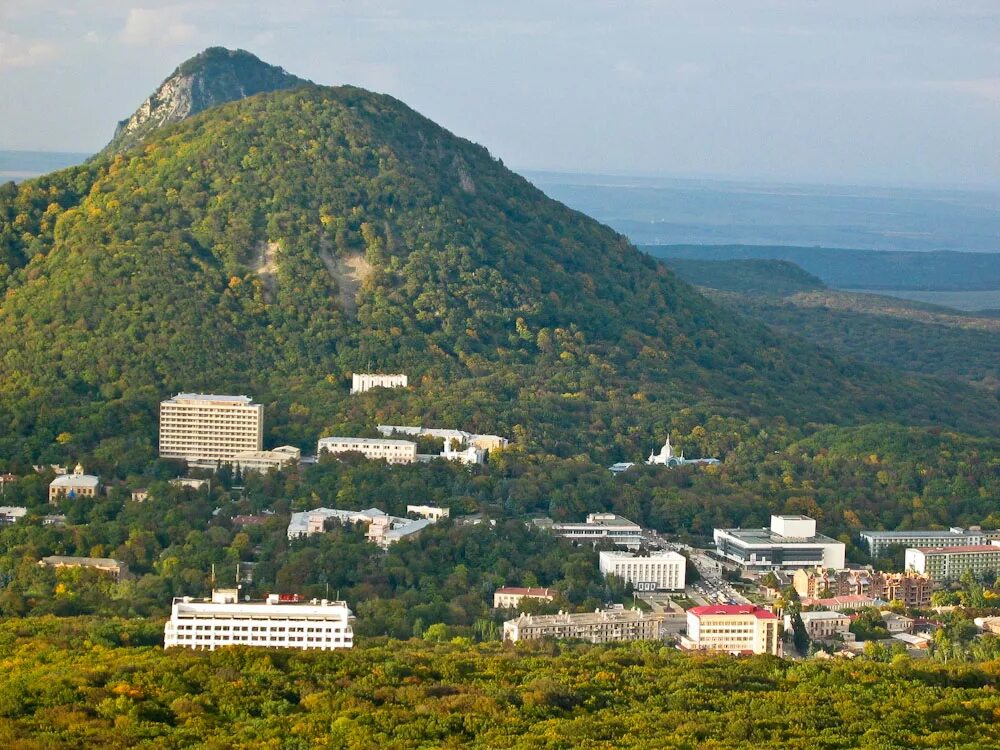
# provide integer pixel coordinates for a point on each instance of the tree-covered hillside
(273, 245)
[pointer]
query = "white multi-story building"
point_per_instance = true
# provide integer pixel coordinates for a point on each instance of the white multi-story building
(279, 622)
(949, 563)
(200, 427)
(365, 381)
(791, 542)
(383, 529)
(880, 541)
(433, 512)
(737, 629)
(598, 526)
(392, 451)
(659, 571)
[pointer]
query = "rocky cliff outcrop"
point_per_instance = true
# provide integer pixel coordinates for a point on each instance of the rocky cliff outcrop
(211, 78)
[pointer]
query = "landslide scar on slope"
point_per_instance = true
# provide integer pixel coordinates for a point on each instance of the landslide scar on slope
(266, 268)
(349, 272)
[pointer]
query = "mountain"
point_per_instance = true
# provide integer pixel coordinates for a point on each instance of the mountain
(211, 78)
(274, 244)
(751, 276)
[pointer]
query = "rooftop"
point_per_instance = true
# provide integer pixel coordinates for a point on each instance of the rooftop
(766, 536)
(733, 609)
(930, 533)
(590, 618)
(86, 562)
(961, 548)
(210, 397)
(75, 480)
(520, 591)
(365, 441)
(823, 614)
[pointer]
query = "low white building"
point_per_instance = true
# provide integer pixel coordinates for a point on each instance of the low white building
(483, 442)
(432, 512)
(391, 451)
(736, 629)
(790, 542)
(601, 626)
(598, 526)
(73, 485)
(470, 455)
(365, 381)
(660, 571)
(383, 529)
(509, 597)
(189, 482)
(279, 622)
(11, 514)
(263, 461)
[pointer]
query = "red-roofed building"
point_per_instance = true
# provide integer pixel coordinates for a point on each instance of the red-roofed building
(511, 596)
(734, 628)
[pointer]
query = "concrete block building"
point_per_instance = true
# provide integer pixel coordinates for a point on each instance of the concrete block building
(199, 427)
(660, 571)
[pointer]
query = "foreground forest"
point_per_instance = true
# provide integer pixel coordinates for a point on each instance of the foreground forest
(65, 688)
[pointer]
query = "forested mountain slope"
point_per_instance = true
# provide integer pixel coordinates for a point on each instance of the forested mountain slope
(273, 245)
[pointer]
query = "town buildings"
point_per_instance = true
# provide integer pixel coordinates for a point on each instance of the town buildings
(912, 589)
(896, 623)
(383, 529)
(279, 622)
(949, 563)
(734, 628)
(602, 626)
(207, 428)
(667, 457)
(391, 451)
(790, 542)
(73, 485)
(115, 568)
(365, 381)
(509, 597)
(879, 542)
(659, 571)
(461, 437)
(824, 625)
(597, 527)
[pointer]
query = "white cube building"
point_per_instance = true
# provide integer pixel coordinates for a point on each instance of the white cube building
(662, 571)
(790, 542)
(365, 381)
(279, 622)
(210, 428)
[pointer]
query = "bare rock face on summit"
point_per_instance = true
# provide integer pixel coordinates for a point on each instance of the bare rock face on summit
(211, 78)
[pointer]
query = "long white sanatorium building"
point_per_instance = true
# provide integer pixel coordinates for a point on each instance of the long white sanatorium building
(601, 626)
(393, 451)
(279, 622)
(661, 571)
(205, 427)
(598, 526)
(365, 381)
(383, 529)
(791, 542)
(879, 541)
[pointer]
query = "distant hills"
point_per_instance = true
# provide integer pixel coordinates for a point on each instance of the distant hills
(274, 244)
(862, 269)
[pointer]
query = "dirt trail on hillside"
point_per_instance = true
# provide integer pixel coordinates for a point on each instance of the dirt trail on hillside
(349, 273)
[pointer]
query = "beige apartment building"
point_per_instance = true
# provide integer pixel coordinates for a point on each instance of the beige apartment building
(602, 626)
(202, 427)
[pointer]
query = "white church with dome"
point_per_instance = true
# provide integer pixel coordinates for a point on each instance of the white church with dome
(667, 457)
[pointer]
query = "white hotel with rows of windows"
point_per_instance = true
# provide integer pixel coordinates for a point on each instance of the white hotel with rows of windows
(279, 622)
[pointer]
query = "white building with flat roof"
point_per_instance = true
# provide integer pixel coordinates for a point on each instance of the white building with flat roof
(200, 427)
(392, 451)
(659, 571)
(11, 514)
(598, 526)
(880, 541)
(365, 381)
(602, 626)
(383, 529)
(483, 442)
(277, 458)
(790, 542)
(433, 512)
(281, 621)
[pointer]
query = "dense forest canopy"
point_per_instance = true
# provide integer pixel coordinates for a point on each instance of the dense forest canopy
(271, 246)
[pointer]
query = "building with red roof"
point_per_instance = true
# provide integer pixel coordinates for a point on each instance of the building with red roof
(733, 628)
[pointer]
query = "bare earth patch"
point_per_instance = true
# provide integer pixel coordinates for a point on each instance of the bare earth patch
(349, 272)
(267, 268)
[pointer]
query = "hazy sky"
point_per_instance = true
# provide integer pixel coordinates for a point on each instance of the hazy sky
(883, 91)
